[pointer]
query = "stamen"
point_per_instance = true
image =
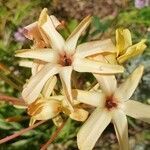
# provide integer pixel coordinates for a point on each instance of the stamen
(110, 102)
(65, 60)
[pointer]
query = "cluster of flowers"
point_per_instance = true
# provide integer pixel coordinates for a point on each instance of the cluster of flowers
(52, 55)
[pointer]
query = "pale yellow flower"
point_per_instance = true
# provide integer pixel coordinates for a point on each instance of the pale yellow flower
(112, 105)
(65, 56)
(125, 48)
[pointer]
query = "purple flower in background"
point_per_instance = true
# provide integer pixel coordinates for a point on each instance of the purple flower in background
(19, 36)
(141, 3)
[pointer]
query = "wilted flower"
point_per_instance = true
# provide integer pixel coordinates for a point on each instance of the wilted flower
(19, 36)
(63, 57)
(113, 105)
(48, 106)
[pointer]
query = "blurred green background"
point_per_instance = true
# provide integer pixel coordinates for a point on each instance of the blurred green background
(108, 15)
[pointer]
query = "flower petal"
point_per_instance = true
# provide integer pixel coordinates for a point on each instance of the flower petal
(126, 89)
(132, 51)
(95, 47)
(44, 110)
(89, 97)
(55, 21)
(111, 58)
(79, 114)
(49, 86)
(65, 76)
(47, 26)
(137, 110)
(107, 83)
(33, 88)
(123, 40)
(32, 32)
(37, 66)
(26, 63)
(92, 129)
(119, 120)
(87, 65)
(71, 41)
(47, 55)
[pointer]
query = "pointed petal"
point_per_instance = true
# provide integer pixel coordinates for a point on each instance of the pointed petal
(92, 129)
(137, 110)
(107, 83)
(95, 47)
(26, 63)
(47, 26)
(126, 89)
(33, 88)
(49, 86)
(65, 76)
(47, 55)
(44, 110)
(121, 128)
(132, 51)
(87, 65)
(71, 41)
(79, 114)
(55, 21)
(91, 98)
(34, 65)
(123, 40)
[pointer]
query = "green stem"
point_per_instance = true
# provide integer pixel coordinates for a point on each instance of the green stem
(8, 81)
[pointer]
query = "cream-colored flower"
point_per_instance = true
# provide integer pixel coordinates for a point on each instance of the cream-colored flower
(65, 56)
(113, 105)
(125, 48)
(34, 33)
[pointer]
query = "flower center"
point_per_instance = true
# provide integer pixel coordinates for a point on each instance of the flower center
(65, 60)
(110, 102)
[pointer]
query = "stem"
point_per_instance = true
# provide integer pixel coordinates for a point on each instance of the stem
(7, 71)
(53, 137)
(8, 138)
(8, 81)
(13, 100)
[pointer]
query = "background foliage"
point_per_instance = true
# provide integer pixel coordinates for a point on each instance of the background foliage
(108, 15)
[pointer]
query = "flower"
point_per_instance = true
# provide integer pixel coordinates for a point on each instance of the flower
(19, 35)
(112, 105)
(34, 33)
(141, 3)
(48, 106)
(63, 57)
(125, 49)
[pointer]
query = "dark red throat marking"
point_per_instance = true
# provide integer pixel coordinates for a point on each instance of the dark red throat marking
(110, 103)
(65, 61)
